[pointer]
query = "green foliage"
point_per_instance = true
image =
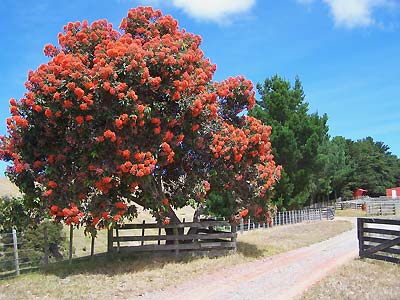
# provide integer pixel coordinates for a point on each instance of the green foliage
(334, 169)
(220, 203)
(374, 168)
(31, 242)
(13, 214)
(31, 246)
(297, 138)
(33, 239)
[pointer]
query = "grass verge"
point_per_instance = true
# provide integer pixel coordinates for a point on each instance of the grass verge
(359, 279)
(129, 278)
(357, 213)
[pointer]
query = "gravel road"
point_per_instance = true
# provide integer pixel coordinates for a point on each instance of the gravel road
(284, 276)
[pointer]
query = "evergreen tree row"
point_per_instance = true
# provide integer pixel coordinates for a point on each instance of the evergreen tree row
(317, 167)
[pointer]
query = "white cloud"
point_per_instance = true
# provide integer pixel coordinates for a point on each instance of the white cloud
(214, 10)
(353, 13)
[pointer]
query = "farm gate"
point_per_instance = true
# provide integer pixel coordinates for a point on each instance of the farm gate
(379, 239)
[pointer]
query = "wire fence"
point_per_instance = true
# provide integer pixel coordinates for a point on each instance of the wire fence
(15, 259)
(21, 252)
(288, 217)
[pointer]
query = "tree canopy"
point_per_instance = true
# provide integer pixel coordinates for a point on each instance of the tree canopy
(296, 138)
(373, 167)
(133, 116)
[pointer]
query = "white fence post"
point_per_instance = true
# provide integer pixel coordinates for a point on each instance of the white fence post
(15, 243)
(241, 226)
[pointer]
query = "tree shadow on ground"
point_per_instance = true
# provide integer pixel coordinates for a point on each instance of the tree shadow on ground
(133, 263)
(249, 250)
(113, 265)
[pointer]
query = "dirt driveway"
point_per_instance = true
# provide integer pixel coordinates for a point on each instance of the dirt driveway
(284, 276)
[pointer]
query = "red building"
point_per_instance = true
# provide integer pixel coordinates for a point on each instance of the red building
(393, 192)
(358, 193)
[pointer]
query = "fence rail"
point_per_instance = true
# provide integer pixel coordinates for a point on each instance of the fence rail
(374, 206)
(379, 239)
(178, 238)
(383, 208)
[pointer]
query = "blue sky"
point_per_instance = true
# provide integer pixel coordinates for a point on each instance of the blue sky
(346, 52)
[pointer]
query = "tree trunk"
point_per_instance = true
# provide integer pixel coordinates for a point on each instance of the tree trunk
(173, 220)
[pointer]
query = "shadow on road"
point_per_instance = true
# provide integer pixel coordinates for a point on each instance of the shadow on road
(249, 250)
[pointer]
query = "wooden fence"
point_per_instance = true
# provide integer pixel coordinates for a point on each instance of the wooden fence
(379, 239)
(383, 208)
(351, 204)
(186, 237)
(374, 206)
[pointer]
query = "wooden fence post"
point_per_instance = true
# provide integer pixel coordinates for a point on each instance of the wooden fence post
(117, 236)
(15, 244)
(46, 244)
(234, 237)
(176, 242)
(110, 242)
(360, 235)
(92, 247)
(71, 237)
(144, 222)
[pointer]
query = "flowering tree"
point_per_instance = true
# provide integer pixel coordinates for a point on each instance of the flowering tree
(118, 118)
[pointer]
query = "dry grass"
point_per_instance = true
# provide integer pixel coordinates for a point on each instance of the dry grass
(285, 238)
(360, 279)
(7, 188)
(357, 213)
(127, 278)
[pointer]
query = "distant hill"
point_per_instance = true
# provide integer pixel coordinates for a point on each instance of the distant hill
(8, 188)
